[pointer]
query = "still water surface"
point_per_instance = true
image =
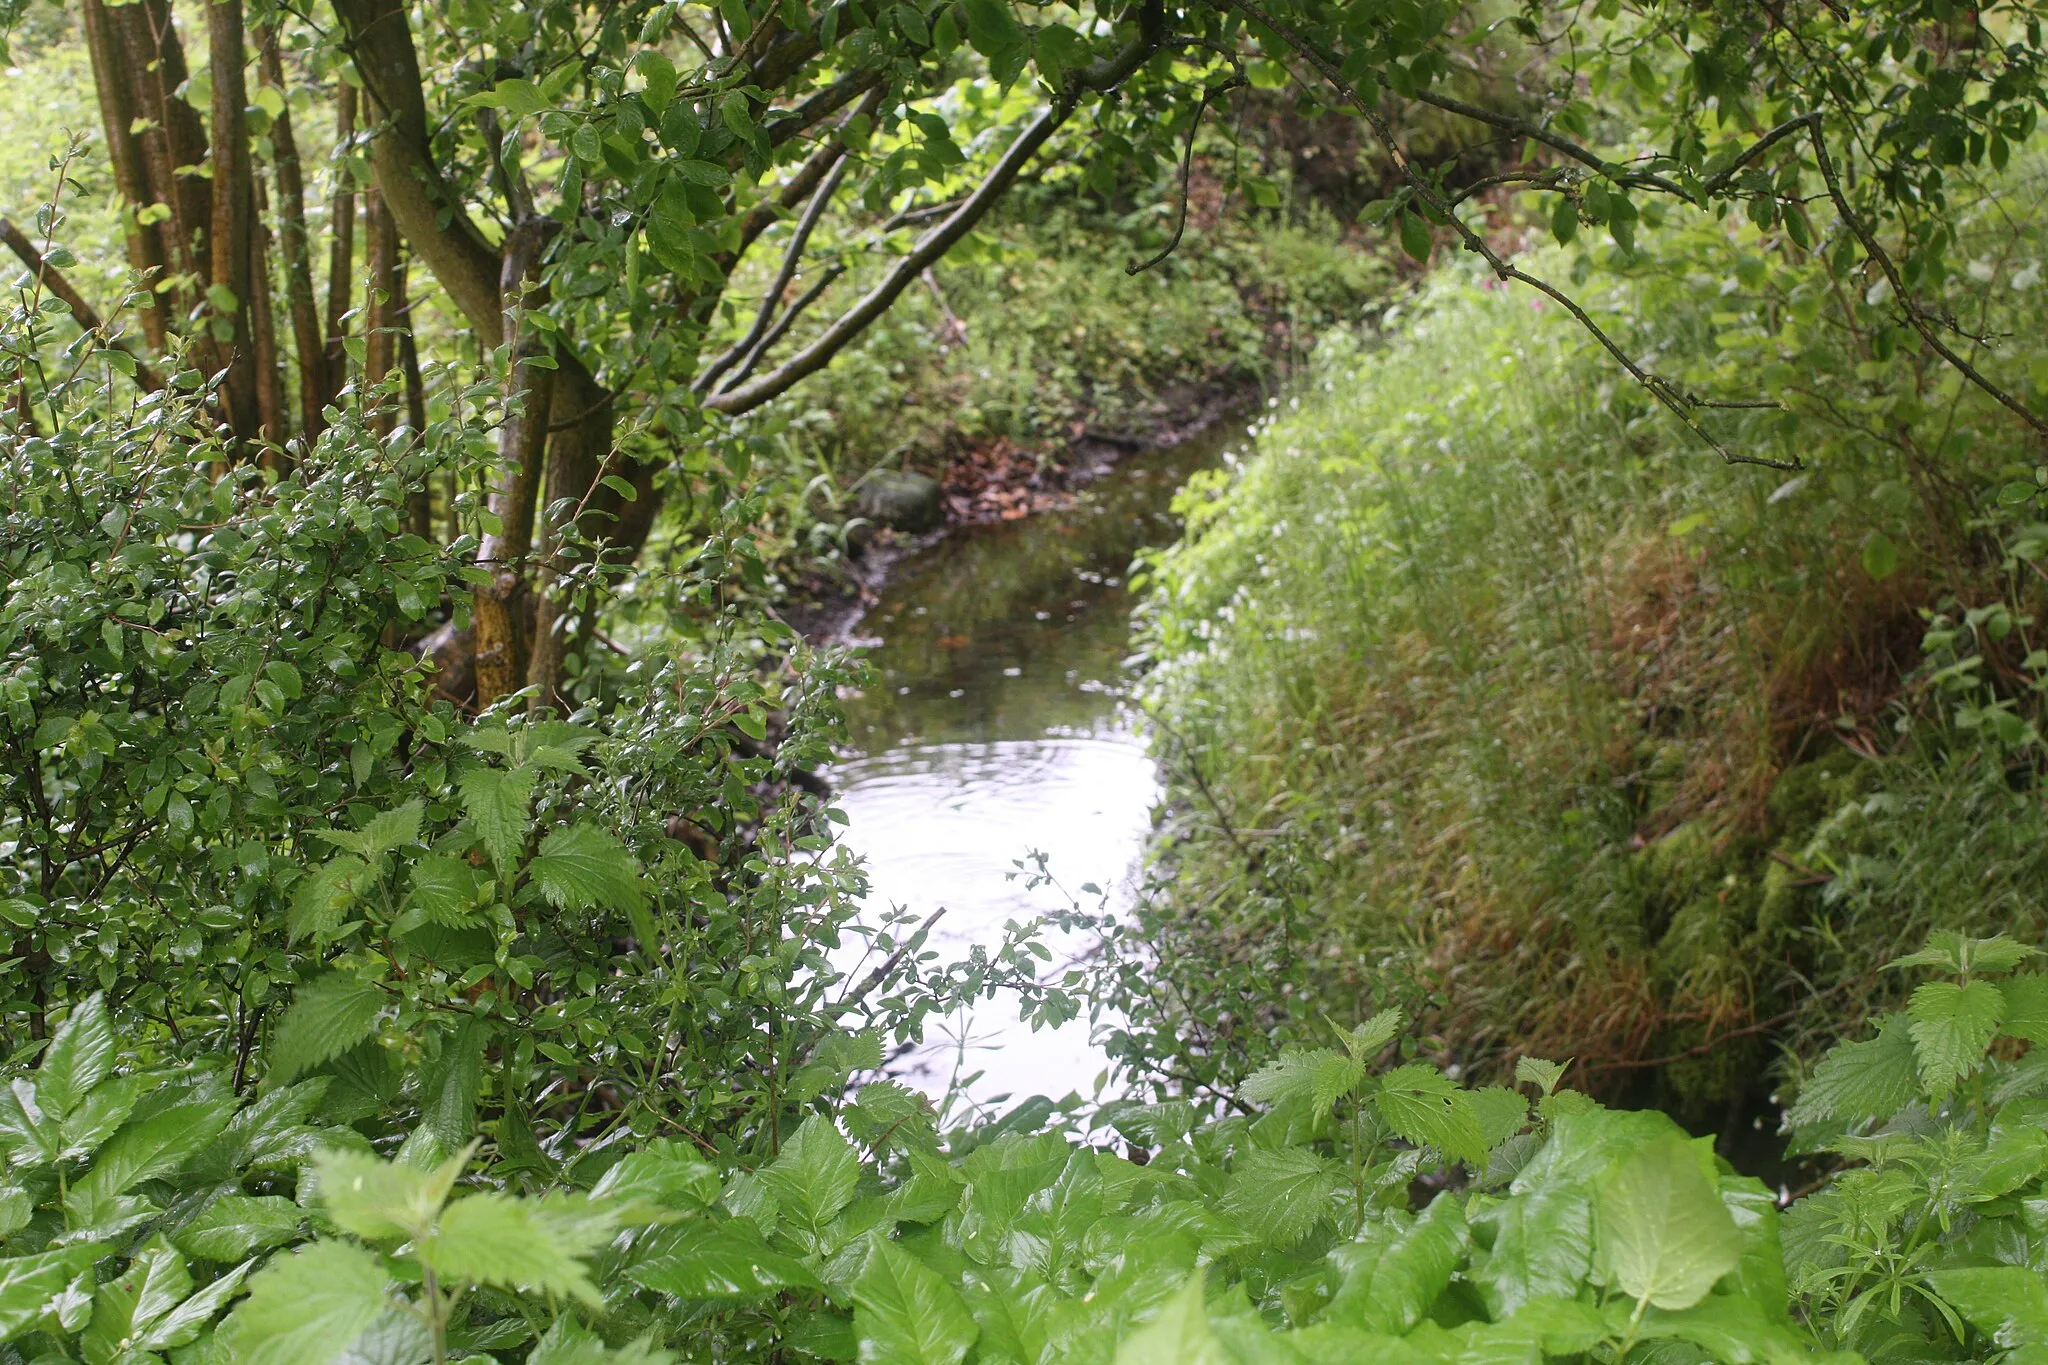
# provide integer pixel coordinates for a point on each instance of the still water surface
(997, 727)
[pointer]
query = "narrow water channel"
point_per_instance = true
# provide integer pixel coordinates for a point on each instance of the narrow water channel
(997, 727)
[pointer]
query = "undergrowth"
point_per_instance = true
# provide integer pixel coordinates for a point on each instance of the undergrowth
(1485, 691)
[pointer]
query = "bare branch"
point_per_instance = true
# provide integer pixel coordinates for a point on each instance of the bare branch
(1187, 165)
(782, 326)
(791, 258)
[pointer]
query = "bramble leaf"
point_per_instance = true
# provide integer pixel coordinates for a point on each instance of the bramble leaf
(78, 1058)
(905, 1315)
(234, 1225)
(815, 1175)
(729, 1261)
(1393, 1276)
(1178, 1334)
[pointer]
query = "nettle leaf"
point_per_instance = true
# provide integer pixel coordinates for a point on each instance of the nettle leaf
(1665, 1237)
(816, 1174)
(1320, 1075)
(443, 892)
(1427, 1108)
(381, 1200)
(905, 1315)
(1280, 1195)
(328, 1016)
(1872, 1079)
(725, 1261)
(234, 1225)
(1539, 1073)
(325, 895)
(495, 800)
(2026, 1006)
(1965, 956)
(1501, 1112)
(387, 831)
(79, 1057)
(581, 867)
(506, 1243)
(1952, 1026)
(308, 1307)
(1365, 1041)
(1392, 1276)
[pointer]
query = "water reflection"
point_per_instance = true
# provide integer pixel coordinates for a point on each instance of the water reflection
(996, 728)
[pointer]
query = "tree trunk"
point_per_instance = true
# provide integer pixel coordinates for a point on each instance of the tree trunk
(504, 607)
(382, 302)
(231, 226)
(420, 507)
(341, 254)
(146, 252)
(307, 342)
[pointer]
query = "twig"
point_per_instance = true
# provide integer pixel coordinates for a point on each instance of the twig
(782, 326)
(791, 259)
(1187, 166)
(883, 972)
(81, 311)
(1898, 284)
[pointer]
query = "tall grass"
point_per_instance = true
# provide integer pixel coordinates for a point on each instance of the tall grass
(1483, 687)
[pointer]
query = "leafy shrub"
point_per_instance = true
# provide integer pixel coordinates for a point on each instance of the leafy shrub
(143, 1204)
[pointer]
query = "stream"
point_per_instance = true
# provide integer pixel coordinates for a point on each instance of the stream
(998, 727)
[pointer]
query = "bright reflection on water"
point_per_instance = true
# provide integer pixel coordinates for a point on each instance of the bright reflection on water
(997, 728)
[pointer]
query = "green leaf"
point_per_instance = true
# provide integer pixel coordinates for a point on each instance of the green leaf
(1952, 1026)
(506, 1243)
(1564, 220)
(1365, 1041)
(1178, 1334)
(381, 1200)
(328, 1016)
(2007, 1303)
(569, 1342)
(1872, 1079)
(659, 74)
(581, 867)
(308, 1307)
(28, 1283)
(387, 831)
(1880, 555)
(1732, 1328)
(1501, 1112)
(443, 892)
(662, 1172)
(1416, 239)
(1319, 1075)
(79, 1057)
(2026, 1006)
(126, 1307)
(992, 29)
(728, 1261)
(1665, 1237)
(30, 1137)
(1539, 1073)
(816, 1174)
(105, 1108)
(495, 800)
(234, 1225)
(1392, 1276)
(1279, 1195)
(517, 97)
(1428, 1109)
(906, 1315)
(1965, 956)
(324, 896)
(177, 1124)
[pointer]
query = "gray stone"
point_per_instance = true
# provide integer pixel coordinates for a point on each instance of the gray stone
(900, 500)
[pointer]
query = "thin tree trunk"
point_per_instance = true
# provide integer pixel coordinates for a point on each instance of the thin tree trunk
(341, 254)
(270, 395)
(504, 608)
(307, 343)
(382, 303)
(230, 231)
(420, 507)
(131, 174)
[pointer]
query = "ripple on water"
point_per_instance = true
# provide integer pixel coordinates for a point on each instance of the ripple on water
(946, 824)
